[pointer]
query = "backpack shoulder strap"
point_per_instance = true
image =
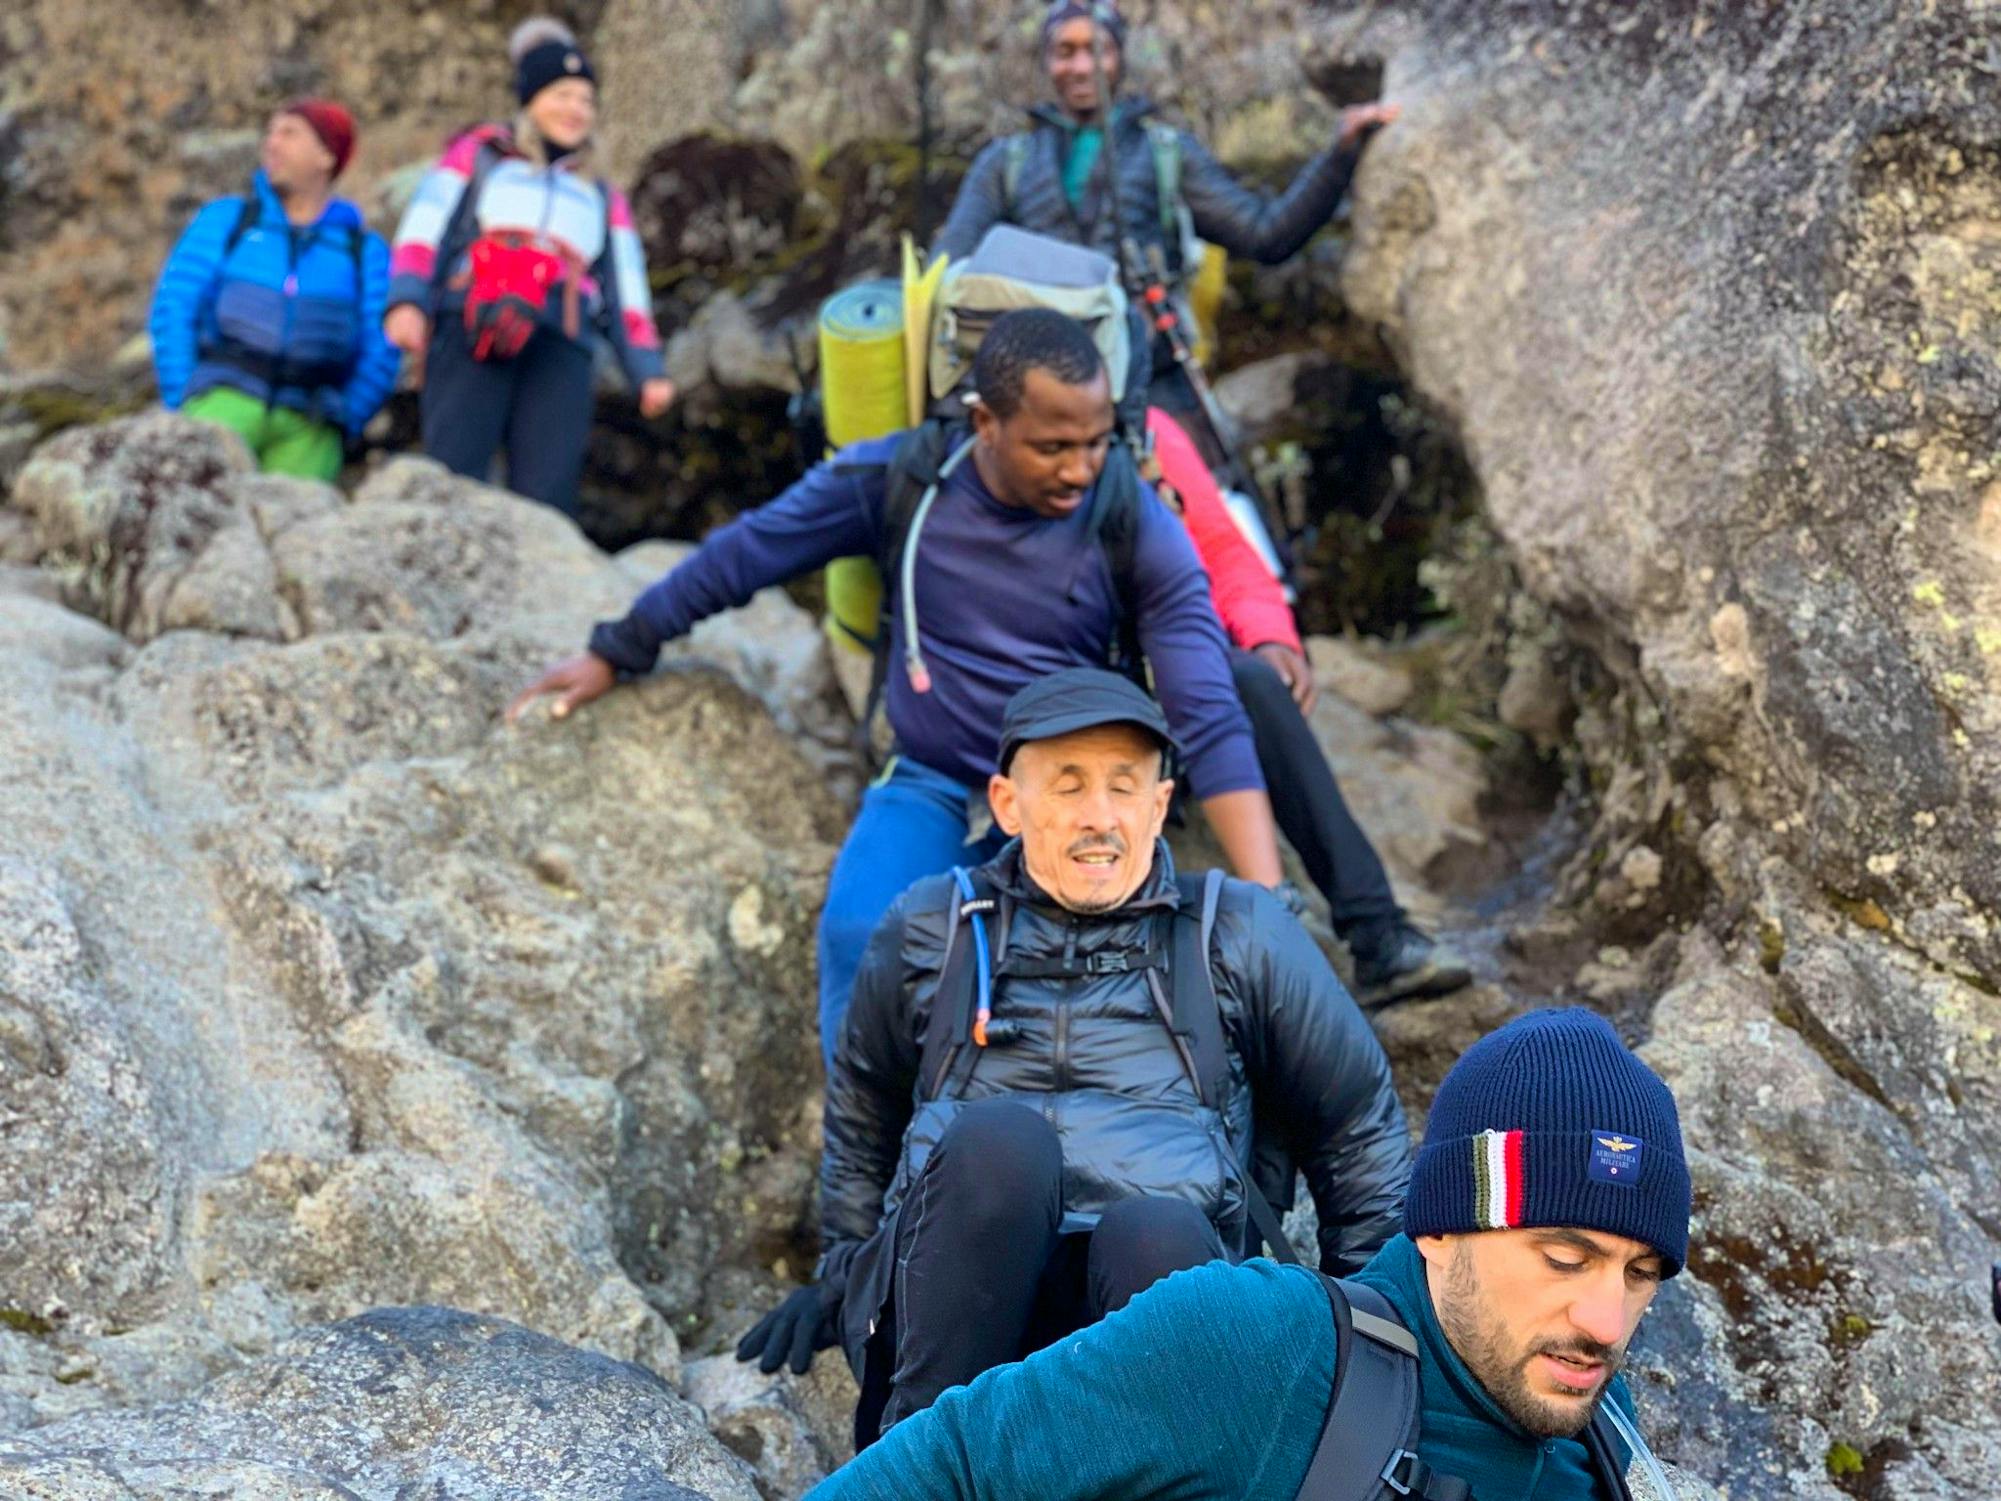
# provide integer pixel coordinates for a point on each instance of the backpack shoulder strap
(1166, 143)
(1015, 158)
(1368, 1443)
(912, 470)
(956, 1027)
(248, 207)
(465, 209)
(1198, 1026)
(1198, 1018)
(1114, 527)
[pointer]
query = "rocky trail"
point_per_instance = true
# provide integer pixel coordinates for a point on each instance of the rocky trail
(392, 1104)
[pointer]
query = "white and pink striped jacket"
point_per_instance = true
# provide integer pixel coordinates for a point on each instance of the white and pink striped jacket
(556, 205)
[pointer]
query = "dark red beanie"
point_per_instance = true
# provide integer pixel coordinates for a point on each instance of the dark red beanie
(332, 124)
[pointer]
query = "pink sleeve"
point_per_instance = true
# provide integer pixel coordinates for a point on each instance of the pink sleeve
(1250, 602)
(628, 265)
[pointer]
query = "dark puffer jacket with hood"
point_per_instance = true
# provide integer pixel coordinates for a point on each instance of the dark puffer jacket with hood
(1225, 212)
(1308, 1082)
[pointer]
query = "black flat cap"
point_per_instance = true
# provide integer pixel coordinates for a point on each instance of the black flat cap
(1078, 698)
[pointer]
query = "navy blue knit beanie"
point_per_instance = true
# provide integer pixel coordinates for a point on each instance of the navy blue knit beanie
(545, 51)
(1551, 1121)
(1104, 12)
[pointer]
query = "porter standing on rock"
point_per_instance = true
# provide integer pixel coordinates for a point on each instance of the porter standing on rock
(1011, 588)
(1057, 179)
(1479, 1349)
(1044, 1095)
(509, 263)
(267, 317)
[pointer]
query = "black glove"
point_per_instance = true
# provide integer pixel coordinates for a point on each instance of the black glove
(804, 1324)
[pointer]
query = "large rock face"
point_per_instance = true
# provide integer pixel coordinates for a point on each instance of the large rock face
(1709, 293)
(320, 989)
(397, 1402)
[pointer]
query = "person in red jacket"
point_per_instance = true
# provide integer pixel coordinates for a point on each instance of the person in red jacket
(1394, 958)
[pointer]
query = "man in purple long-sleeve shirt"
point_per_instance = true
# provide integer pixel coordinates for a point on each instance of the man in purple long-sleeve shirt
(1009, 587)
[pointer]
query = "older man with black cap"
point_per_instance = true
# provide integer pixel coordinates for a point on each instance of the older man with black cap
(1069, 1072)
(1477, 1355)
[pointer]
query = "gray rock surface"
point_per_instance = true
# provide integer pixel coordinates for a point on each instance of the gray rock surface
(792, 1430)
(1705, 290)
(394, 1403)
(321, 990)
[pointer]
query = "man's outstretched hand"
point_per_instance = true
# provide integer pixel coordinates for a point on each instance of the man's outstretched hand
(797, 1329)
(1360, 121)
(572, 684)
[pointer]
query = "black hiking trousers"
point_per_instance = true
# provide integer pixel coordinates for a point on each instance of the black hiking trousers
(983, 1275)
(1307, 802)
(539, 404)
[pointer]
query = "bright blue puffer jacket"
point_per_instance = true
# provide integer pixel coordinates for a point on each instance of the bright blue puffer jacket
(289, 314)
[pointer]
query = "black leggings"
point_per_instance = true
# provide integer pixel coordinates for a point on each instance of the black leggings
(983, 1275)
(539, 404)
(1308, 806)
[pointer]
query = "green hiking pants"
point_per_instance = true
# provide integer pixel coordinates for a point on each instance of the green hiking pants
(283, 441)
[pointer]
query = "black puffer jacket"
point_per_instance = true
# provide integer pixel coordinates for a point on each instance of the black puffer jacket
(1225, 212)
(1094, 1055)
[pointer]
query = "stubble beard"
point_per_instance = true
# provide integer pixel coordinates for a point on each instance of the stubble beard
(1482, 1341)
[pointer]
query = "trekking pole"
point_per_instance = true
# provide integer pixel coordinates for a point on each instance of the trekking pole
(1166, 319)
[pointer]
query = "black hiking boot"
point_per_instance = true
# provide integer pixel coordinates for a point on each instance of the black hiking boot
(1406, 964)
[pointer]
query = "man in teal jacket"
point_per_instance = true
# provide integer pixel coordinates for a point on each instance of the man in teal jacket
(1548, 1204)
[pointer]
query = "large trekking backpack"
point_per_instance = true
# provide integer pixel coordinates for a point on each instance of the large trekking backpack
(1013, 269)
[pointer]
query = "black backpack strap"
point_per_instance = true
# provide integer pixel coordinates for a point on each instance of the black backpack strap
(1197, 1023)
(1368, 1443)
(1198, 1018)
(1114, 528)
(912, 471)
(463, 212)
(965, 986)
(248, 208)
(1015, 157)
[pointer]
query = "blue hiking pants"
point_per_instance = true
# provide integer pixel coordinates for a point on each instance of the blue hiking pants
(912, 824)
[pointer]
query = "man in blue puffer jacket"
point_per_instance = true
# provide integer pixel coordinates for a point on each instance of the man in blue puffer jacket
(268, 315)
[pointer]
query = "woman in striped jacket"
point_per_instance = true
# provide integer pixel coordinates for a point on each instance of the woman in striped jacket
(511, 261)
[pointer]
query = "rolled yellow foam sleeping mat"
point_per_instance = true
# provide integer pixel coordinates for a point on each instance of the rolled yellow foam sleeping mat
(863, 394)
(861, 362)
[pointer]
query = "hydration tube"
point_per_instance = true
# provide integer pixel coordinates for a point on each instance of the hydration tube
(913, 646)
(982, 961)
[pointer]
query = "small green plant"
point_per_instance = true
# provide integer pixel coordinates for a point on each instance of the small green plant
(23, 1322)
(1843, 1459)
